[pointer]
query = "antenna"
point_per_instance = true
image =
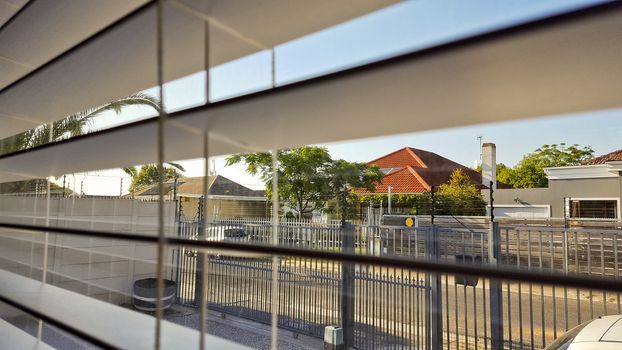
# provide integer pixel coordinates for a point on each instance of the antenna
(478, 162)
(479, 138)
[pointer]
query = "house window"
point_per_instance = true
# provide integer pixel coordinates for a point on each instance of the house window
(596, 209)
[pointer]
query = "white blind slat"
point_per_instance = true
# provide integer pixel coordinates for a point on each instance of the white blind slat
(565, 68)
(122, 61)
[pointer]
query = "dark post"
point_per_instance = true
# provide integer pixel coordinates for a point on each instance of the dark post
(496, 297)
(347, 279)
(433, 211)
(492, 201)
(198, 276)
(566, 216)
(434, 296)
(64, 178)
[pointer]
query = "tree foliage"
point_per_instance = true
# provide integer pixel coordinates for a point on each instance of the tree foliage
(308, 177)
(343, 176)
(149, 174)
(459, 196)
(529, 172)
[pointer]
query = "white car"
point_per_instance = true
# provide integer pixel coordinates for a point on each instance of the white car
(226, 234)
(602, 333)
(231, 234)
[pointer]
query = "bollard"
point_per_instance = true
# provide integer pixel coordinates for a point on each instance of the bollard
(333, 338)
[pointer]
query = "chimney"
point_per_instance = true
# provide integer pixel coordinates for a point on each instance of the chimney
(489, 165)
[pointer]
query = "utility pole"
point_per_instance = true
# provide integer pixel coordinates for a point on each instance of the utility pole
(389, 204)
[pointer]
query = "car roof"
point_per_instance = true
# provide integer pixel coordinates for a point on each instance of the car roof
(604, 328)
(595, 345)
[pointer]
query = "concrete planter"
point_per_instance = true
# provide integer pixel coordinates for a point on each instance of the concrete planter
(145, 294)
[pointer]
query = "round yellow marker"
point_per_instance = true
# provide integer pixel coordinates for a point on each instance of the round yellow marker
(409, 222)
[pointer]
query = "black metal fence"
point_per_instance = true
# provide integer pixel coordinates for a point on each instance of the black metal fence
(393, 307)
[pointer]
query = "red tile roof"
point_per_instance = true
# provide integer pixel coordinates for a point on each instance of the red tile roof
(399, 159)
(404, 180)
(609, 157)
(417, 170)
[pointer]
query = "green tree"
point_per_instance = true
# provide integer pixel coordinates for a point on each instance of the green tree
(307, 176)
(529, 172)
(149, 174)
(344, 176)
(459, 196)
(504, 173)
(302, 183)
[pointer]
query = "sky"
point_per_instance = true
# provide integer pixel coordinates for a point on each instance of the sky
(397, 29)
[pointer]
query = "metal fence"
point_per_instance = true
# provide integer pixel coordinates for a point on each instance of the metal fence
(393, 307)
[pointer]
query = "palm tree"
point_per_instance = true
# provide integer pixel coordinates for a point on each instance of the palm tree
(71, 126)
(149, 174)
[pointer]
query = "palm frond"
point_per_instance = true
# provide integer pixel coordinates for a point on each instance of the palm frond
(176, 166)
(131, 171)
(72, 125)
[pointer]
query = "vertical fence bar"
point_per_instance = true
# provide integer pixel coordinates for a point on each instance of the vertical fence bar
(275, 241)
(435, 306)
(496, 289)
(347, 285)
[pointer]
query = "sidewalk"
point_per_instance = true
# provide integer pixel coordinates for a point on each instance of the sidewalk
(242, 331)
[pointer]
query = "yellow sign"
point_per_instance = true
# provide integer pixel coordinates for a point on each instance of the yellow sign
(409, 222)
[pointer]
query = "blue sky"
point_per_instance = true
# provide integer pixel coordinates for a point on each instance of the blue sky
(404, 27)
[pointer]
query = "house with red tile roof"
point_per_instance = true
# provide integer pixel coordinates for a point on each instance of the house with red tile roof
(615, 156)
(411, 170)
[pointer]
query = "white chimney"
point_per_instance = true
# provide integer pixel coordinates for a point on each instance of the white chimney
(489, 165)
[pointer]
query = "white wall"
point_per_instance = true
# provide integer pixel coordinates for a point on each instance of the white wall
(102, 268)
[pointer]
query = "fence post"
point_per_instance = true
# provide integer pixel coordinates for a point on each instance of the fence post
(434, 296)
(347, 286)
(496, 296)
(200, 257)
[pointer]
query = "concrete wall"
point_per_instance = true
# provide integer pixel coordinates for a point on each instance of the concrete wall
(102, 268)
(557, 190)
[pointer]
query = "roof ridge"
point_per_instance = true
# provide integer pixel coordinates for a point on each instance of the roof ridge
(388, 154)
(419, 177)
(412, 152)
